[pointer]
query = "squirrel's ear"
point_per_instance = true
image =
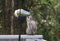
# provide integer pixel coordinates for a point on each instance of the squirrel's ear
(27, 18)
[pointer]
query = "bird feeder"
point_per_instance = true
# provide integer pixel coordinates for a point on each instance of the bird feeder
(21, 14)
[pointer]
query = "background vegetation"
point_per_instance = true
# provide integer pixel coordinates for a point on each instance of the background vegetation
(46, 12)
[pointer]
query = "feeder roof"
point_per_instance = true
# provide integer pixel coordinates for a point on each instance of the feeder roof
(22, 11)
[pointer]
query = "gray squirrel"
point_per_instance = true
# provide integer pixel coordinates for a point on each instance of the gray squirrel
(31, 25)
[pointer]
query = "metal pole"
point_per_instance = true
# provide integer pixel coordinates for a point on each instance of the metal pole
(19, 38)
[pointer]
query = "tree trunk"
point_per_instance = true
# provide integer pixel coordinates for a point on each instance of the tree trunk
(12, 16)
(7, 17)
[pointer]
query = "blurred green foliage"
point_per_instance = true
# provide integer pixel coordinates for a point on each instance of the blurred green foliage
(47, 10)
